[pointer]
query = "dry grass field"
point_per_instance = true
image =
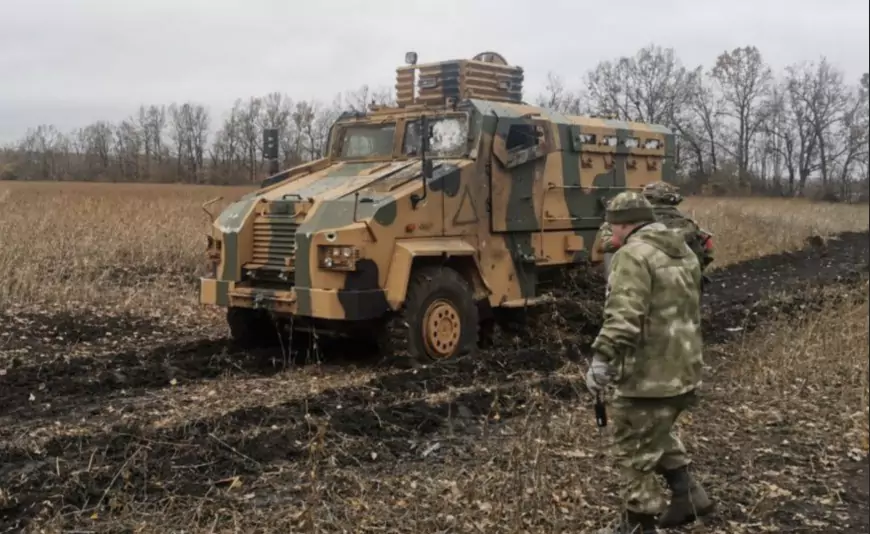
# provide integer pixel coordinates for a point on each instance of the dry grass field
(140, 245)
(124, 408)
(120, 244)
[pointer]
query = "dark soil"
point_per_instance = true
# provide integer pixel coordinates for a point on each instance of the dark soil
(122, 469)
(740, 295)
(856, 494)
(30, 335)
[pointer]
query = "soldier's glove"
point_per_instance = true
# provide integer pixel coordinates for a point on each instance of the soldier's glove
(598, 376)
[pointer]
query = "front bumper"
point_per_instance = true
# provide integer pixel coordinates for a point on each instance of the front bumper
(341, 304)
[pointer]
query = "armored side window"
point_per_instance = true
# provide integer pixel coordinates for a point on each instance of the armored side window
(652, 144)
(609, 140)
(523, 136)
(588, 139)
(632, 142)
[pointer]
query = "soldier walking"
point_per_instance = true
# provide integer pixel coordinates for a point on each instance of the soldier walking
(665, 198)
(650, 349)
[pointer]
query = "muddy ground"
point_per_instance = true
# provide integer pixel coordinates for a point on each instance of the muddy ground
(111, 423)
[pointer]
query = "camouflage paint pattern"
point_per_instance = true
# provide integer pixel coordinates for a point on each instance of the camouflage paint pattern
(526, 193)
(644, 443)
(651, 334)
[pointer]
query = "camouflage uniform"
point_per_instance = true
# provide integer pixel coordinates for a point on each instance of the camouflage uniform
(664, 199)
(650, 348)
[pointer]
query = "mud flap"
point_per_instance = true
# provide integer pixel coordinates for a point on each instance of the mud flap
(528, 273)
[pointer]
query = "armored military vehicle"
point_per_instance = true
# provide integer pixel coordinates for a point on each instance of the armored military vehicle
(427, 215)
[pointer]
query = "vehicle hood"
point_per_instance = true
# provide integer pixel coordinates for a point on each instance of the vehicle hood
(343, 179)
(338, 182)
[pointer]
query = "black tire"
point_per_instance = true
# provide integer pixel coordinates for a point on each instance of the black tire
(443, 292)
(251, 328)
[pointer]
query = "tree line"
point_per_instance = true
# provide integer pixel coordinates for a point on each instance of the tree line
(176, 143)
(741, 126)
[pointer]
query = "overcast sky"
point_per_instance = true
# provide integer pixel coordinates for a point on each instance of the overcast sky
(70, 62)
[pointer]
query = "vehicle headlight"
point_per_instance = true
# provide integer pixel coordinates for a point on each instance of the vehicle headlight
(337, 257)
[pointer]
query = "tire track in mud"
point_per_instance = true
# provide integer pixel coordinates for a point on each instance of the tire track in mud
(63, 384)
(377, 418)
(744, 294)
(732, 300)
(90, 378)
(390, 416)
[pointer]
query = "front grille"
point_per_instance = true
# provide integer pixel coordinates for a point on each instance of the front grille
(274, 241)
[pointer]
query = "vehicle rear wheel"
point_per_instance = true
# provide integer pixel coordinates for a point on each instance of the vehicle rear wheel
(439, 320)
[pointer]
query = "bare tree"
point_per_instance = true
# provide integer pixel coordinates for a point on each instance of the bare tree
(850, 139)
(128, 146)
(189, 131)
(822, 94)
(744, 81)
(557, 98)
(295, 148)
(780, 138)
(698, 118)
(863, 122)
(198, 126)
(644, 88)
(317, 132)
(250, 135)
(156, 129)
(178, 134)
(225, 152)
(98, 137)
(44, 145)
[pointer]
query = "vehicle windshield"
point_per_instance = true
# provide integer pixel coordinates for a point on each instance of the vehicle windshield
(368, 141)
(447, 137)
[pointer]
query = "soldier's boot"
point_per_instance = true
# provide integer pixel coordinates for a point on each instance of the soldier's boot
(632, 523)
(688, 499)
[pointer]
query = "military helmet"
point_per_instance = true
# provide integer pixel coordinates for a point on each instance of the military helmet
(662, 193)
(629, 207)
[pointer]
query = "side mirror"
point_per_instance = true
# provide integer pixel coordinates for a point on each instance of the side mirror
(425, 133)
(425, 163)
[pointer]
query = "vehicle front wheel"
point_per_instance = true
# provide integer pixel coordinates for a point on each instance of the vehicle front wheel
(439, 319)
